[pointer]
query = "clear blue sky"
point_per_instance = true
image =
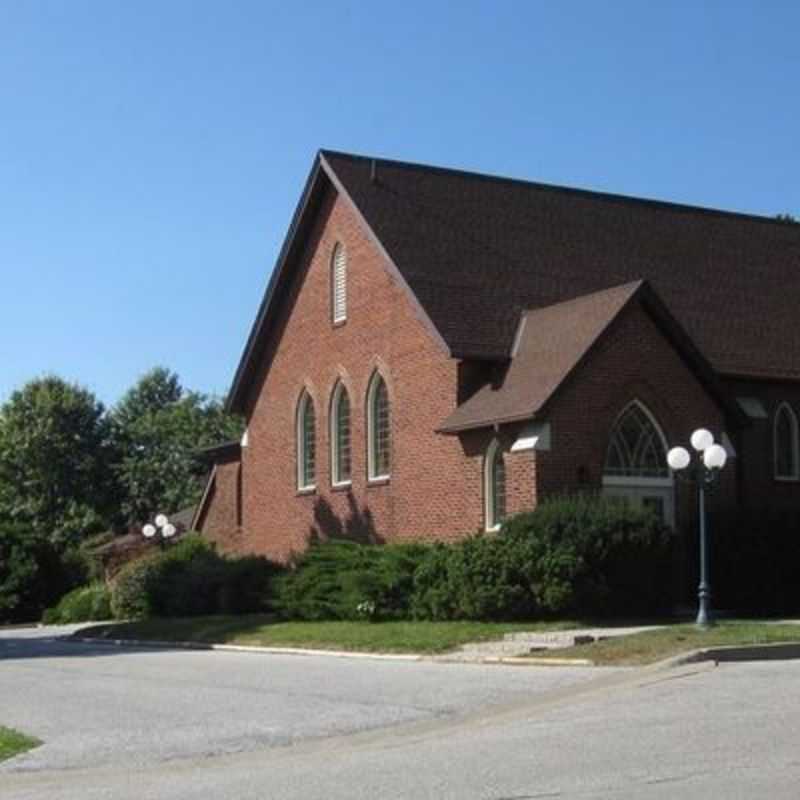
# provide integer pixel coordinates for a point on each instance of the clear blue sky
(151, 153)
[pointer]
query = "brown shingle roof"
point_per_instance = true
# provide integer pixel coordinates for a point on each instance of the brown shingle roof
(476, 251)
(550, 343)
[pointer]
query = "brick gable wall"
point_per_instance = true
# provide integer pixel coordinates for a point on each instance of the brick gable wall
(632, 361)
(435, 489)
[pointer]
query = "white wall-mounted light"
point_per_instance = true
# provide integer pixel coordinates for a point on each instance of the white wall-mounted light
(161, 520)
(149, 531)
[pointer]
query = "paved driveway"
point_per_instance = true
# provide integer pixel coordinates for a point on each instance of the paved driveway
(100, 705)
(181, 726)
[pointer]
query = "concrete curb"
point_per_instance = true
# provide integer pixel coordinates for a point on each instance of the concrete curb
(721, 654)
(240, 648)
(779, 651)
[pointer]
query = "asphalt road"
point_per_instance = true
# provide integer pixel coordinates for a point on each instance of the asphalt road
(167, 724)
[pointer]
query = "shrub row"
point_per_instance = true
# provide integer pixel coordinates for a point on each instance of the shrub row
(190, 578)
(574, 555)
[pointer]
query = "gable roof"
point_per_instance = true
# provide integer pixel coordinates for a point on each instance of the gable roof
(475, 251)
(478, 250)
(550, 345)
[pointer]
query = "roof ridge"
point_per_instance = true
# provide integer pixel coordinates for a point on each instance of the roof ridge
(614, 197)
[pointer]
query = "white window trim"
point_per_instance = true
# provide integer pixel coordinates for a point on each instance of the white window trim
(300, 441)
(372, 476)
(490, 525)
(334, 435)
(795, 444)
(338, 314)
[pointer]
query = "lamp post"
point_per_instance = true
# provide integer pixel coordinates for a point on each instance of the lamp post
(162, 526)
(704, 471)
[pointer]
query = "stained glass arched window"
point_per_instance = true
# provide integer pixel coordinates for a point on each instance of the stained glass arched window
(636, 448)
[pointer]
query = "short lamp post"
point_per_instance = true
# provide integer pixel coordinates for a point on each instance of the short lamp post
(163, 527)
(703, 471)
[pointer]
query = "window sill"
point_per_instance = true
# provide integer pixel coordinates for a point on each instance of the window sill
(339, 323)
(787, 478)
(380, 480)
(344, 486)
(303, 491)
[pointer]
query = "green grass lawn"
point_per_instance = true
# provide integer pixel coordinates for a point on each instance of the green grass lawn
(13, 743)
(652, 646)
(386, 637)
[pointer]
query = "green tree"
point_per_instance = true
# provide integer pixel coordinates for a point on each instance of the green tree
(158, 427)
(55, 454)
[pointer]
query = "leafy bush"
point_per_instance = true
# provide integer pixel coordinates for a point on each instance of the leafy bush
(190, 578)
(479, 578)
(84, 604)
(247, 587)
(590, 555)
(33, 573)
(346, 580)
(582, 555)
(133, 589)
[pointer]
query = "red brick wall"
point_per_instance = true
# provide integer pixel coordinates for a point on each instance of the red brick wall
(435, 490)
(220, 511)
(759, 488)
(634, 360)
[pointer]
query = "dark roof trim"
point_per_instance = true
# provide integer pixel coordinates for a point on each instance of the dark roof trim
(684, 344)
(201, 506)
(225, 451)
(612, 197)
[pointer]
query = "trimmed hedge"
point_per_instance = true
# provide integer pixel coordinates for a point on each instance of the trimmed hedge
(574, 555)
(190, 578)
(345, 580)
(84, 604)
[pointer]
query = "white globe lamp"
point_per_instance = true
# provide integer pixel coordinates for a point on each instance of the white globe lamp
(161, 520)
(701, 439)
(149, 531)
(678, 458)
(714, 457)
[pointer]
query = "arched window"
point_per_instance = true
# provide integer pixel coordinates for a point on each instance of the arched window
(636, 448)
(786, 446)
(339, 284)
(494, 491)
(378, 429)
(306, 443)
(340, 436)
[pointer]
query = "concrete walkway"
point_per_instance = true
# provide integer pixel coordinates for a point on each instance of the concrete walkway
(524, 644)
